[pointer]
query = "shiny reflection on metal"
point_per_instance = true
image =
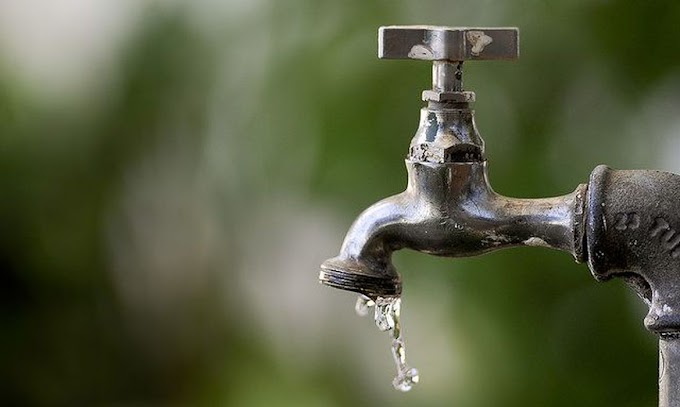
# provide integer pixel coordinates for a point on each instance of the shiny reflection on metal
(447, 76)
(448, 210)
(448, 48)
(446, 134)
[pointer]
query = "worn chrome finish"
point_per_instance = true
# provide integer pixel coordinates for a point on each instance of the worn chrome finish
(448, 43)
(448, 210)
(447, 76)
(669, 372)
(447, 134)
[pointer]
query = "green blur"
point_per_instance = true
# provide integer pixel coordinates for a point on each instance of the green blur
(210, 131)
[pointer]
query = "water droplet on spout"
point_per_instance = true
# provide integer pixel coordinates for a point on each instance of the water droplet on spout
(387, 312)
(363, 305)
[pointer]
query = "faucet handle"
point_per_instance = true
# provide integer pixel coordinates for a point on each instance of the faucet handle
(447, 48)
(455, 44)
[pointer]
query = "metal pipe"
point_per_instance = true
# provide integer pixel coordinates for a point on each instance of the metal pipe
(669, 372)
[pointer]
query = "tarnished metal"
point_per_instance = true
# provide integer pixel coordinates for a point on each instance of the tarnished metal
(448, 47)
(447, 134)
(623, 223)
(447, 43)
(633, 222)
(447, 76)
(669, 372)
(633, 232)
(448, 210)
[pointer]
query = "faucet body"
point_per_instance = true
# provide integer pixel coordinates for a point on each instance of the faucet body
(449, 209)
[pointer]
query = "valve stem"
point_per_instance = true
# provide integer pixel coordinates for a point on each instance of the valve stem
(447, 76)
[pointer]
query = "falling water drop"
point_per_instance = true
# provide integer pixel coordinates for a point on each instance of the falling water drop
(363, 306)
(407, 376)
(387, 313)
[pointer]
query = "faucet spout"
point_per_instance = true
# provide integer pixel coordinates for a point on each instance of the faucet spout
(449, 210)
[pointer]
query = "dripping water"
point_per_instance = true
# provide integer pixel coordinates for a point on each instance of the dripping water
(387, 312)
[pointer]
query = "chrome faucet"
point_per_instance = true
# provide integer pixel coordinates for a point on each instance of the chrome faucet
(448, 208)
(622, 223)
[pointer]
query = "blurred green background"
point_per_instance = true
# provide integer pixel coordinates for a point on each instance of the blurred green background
(173, 172)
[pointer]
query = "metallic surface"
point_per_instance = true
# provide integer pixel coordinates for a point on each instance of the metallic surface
(446, 134)
(448, 210)
(633, 219)
(632, 225)
(669, 372)
(623, 223)
(447, 76)
(448, 43)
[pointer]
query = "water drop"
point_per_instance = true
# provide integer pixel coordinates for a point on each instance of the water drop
(363, 305)
(387, 313)
(407, 376)
(406, 380)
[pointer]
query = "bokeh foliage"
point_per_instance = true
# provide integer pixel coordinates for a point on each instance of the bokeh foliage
(286, 103)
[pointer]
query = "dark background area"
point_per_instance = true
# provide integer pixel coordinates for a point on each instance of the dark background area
(173, 173)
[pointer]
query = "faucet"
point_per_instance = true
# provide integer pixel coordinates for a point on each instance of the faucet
(622, 223)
